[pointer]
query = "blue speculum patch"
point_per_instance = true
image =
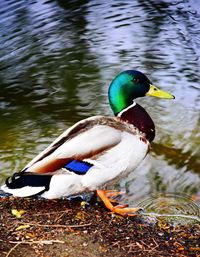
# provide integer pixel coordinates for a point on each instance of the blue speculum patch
(78, 167)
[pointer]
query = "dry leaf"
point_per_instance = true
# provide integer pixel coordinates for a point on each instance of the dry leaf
(17, 213)
(22, 227)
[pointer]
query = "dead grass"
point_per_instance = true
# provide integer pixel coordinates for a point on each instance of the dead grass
(65, 228)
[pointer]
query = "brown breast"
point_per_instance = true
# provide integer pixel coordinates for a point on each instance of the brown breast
(137, 116)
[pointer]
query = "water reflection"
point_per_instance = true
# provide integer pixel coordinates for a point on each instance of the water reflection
(57, 59)
(173, 207)
(181, 204)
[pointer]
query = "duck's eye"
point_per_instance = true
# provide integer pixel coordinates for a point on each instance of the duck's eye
(136, 80)
(155, 89)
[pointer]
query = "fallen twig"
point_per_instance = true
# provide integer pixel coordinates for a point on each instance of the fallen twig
(50, 213)
(13, 248)
(32, 242)
(57, 225)
(47, 242)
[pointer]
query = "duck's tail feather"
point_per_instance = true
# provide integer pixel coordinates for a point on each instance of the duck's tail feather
(24, 184)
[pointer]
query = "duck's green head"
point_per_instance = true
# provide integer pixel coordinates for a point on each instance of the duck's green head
(129, 85)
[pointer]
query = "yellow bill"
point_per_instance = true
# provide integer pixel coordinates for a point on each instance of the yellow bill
(154, 91)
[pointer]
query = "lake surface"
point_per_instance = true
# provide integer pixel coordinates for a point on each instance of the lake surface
(57, 59)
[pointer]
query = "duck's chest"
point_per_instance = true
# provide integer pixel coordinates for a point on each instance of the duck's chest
(137, 116)
(117, 162)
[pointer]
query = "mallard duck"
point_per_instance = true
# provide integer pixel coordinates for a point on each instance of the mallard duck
(95, 151)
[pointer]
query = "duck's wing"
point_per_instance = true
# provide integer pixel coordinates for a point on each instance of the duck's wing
(86, 139)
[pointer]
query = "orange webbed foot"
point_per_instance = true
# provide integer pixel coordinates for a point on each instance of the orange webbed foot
(123, 209)
(109, 194)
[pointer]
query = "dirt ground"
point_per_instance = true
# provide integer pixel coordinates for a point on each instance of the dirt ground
(62, 228)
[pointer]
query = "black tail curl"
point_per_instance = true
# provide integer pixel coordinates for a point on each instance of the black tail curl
(22, 179)
(11, 181)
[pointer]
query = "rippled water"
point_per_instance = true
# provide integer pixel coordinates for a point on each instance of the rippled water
(57, 59)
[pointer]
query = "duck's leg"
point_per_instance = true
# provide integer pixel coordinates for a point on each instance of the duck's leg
(112, 193)
(119, 209)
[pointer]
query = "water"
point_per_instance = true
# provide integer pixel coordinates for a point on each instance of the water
(57, 59)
